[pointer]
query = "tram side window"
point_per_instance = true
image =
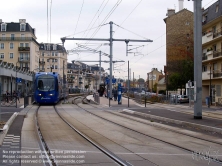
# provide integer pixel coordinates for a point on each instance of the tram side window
(40, 85)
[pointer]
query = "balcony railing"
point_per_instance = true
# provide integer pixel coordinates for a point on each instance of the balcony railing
(16, 38)
(217, 54)
(217, 75)
(22, 59)
(42, 62)
(204, 58)
(23, 48)
(217, 33)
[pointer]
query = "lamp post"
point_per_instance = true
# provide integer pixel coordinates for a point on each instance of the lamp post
(16, 83)
(167, 85)
(210, 87)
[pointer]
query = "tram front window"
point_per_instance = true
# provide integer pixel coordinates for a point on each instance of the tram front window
(46, 83)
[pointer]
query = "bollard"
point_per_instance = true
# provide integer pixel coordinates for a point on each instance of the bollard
(145, 101)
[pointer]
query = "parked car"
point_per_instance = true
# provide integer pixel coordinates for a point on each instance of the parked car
(182, 99)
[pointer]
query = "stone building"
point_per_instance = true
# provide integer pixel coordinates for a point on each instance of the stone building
(179, 38)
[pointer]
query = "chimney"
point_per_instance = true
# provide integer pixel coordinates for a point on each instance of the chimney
(22, 20)
(181, 5)
(170, 12)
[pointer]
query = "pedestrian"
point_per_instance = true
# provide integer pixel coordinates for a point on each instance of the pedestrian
(115, 94)
(7, 96)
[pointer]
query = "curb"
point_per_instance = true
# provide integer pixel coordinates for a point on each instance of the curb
(7, 126)
(203, 127)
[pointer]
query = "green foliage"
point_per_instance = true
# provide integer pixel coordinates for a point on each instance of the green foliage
(162, 92)
(182, 75)
(86, 86)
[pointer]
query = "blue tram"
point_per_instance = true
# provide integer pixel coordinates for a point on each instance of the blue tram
(48, 88)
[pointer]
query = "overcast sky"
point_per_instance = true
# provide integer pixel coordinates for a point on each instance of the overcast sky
(138, 19)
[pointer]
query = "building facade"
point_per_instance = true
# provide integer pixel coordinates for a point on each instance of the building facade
(19, 56)
(18, 44)
(212, 52)
(179, 38)
(153, 79)
(53, 58)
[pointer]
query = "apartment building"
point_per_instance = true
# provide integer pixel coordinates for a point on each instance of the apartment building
(18, 44)
(212, 52)
(53, 58)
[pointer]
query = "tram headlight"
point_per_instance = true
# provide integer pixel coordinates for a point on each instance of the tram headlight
(51, 94)
(40, 94)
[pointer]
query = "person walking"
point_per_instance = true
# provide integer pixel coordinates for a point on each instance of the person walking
(7, 96)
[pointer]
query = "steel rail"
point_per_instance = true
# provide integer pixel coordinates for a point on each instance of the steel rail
(105, 151)
(183, 148)
(43, 145)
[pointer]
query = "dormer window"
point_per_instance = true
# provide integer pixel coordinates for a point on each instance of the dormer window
(54, 47)
(22, 27)
(3, 27)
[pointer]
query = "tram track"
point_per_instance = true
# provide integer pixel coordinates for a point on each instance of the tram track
(51, 159)
(161, 140)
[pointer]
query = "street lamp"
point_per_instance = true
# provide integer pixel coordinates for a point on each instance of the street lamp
(210, 86)
(16, 82)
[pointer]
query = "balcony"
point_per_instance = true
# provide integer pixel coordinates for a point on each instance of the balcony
(16, 39)
(206, 75)
(207, 37)
(204, 57)
(41, 62)
(22, 59)
(217, 33)
(23, 48)
(217, 54)
(216, 75)
(42, 70)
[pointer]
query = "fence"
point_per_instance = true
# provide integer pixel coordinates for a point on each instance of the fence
(151, 98)
(8, 100)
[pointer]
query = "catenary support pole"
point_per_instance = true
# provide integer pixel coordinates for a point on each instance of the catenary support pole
(111, 60)
(198, 59)
(128, 84)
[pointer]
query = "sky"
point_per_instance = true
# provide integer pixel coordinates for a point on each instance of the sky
(133, 19)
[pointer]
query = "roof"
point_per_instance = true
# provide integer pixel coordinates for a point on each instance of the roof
(176, 14)
(15, 27)
(42, 46)
(161, 77)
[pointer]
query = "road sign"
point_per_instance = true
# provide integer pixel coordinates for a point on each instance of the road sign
(18, 80)
(113, 81)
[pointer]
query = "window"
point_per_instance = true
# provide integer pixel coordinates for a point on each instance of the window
(56, 54)
(47, 60)
(22, 36)
(11, 45)
(52, 53)
(42, 53)
(56, 60)
(2, 55)
(26, 44)
(12, 36)
(217, 7)
(21, 44)
(3, 27)
(215, 67)
(204, 68)
(215, 47)
(2, 46)
(3, 36)
(52, 66)
(22, 27)
(52, 60)
(54, 47)
(56, 67)
(11, 55)
(21, 57)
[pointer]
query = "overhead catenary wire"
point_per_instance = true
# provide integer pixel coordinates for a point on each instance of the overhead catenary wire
(79, 17)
